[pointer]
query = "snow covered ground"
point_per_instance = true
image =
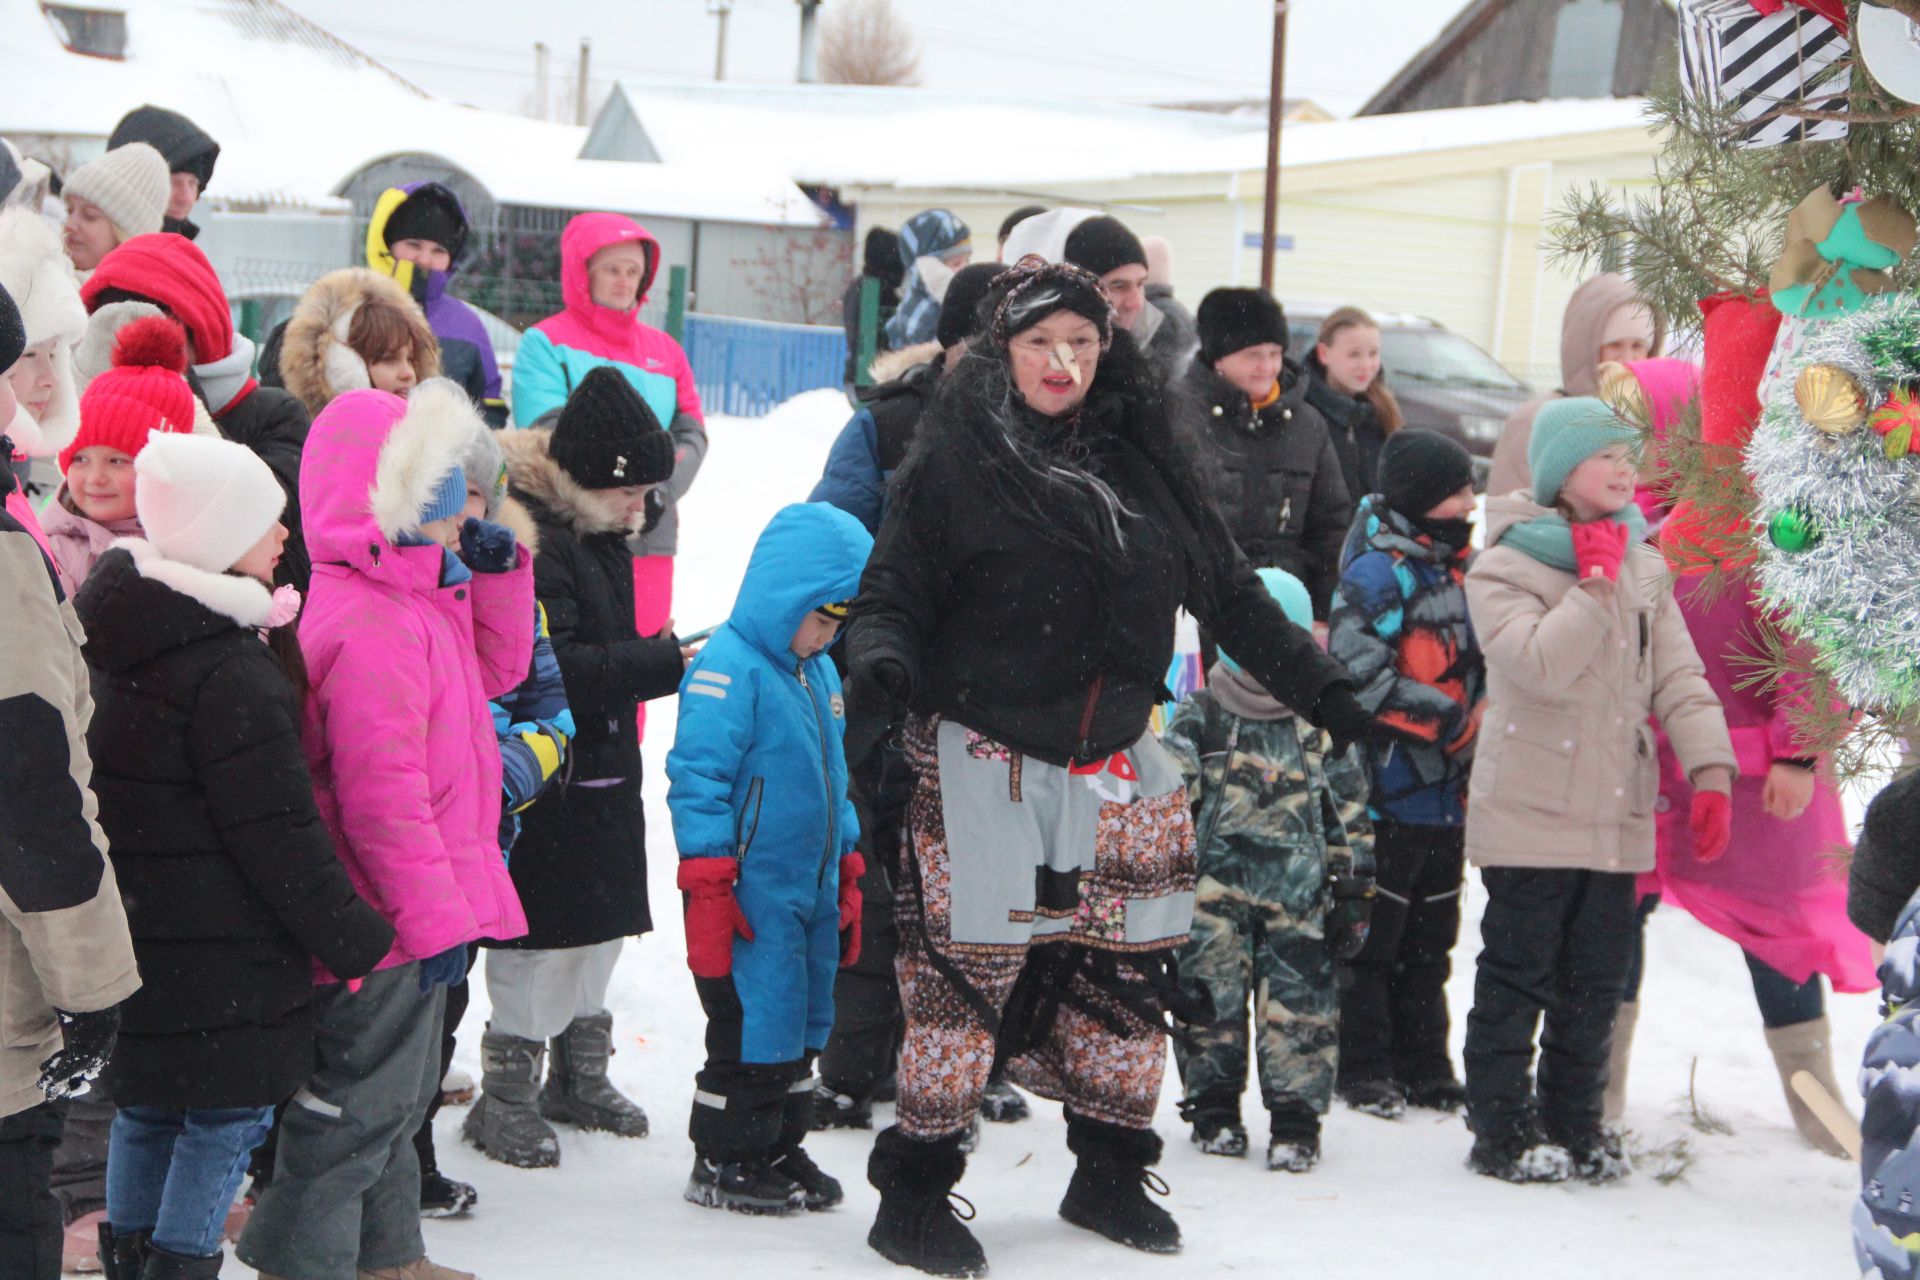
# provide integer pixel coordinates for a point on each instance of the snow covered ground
(1389, 1198)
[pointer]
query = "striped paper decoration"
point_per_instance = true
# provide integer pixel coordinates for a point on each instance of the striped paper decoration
(1732, 55)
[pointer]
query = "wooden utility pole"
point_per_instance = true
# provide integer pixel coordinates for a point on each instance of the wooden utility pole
(721, 9)
(1276, 110)
(580, 89)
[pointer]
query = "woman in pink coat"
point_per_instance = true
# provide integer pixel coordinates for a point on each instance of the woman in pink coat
(405, 642)
(1780, 890)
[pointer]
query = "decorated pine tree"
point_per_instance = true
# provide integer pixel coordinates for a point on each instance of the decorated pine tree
(1778, 231)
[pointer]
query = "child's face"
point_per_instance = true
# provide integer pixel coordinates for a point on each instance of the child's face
(100, 483)
(1253, 369)
(1352, 359)
(613, 275)
(88, 233)
(430, 254)
(1603, 484)
(33, 380)
(817, 631)
(395, 374)
(445, 531)
(1454, 508)
(476, 508)
(263, 556)
(628, 501)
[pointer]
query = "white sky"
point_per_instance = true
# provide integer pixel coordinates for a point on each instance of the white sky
(481, 51)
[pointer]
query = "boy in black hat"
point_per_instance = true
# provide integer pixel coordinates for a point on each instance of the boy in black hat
(1401, 627)
(190, 153)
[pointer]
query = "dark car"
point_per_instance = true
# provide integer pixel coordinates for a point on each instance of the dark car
(1443, 381)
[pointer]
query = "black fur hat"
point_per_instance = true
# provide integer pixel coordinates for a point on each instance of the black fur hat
(1231, 320)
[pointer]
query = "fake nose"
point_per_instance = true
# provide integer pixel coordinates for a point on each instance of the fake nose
(1063, 360)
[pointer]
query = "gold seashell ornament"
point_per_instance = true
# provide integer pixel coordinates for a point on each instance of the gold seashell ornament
(1830, 399)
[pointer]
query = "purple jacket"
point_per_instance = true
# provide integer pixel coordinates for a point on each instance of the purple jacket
(398, 733)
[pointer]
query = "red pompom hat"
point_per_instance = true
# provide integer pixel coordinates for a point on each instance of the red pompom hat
(145, 391)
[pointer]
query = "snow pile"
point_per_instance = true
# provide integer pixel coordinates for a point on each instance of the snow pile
(1390, 1197)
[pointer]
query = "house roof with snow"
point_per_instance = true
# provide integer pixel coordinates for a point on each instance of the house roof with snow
(298, 112)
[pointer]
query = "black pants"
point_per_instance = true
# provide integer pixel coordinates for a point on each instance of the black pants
(744, 1110)
(30, 1218)
(1558, 943)
(1393, 1006)
(867, 1017)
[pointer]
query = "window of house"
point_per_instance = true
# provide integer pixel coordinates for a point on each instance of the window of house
(98, 33)
(1586, 45)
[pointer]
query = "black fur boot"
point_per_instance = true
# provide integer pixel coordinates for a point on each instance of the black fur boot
(1108, 1193)
(917, 1225)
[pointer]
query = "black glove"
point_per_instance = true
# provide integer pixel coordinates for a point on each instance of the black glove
(1350, 917)
(1342, 716)
(487, 547)
(889, 673)
(448, 969)
(89, 1041)
(656, 508)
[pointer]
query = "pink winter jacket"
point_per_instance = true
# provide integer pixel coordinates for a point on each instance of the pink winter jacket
(406, 766)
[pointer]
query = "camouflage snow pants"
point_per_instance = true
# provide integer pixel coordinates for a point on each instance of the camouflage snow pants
(1276, 952)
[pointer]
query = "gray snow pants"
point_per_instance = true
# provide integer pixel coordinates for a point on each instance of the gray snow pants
(345, 1195)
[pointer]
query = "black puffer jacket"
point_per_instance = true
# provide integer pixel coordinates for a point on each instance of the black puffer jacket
(580, 865)
(1057, 653)
(230, 879)
(1276, 478)
(1355, 426)
(273, 424)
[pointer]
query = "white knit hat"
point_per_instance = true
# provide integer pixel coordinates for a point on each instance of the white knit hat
(204, 501)
(130, 184)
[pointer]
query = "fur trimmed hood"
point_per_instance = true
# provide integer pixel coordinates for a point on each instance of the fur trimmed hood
(538, 479)
(316, 364)
(138, 606)
(889, 365)
(230, 595)
(370, 468)
(35, 271)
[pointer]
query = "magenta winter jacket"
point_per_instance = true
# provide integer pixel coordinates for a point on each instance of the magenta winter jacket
(405, 763)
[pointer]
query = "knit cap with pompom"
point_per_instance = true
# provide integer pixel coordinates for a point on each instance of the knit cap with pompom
(144, 391)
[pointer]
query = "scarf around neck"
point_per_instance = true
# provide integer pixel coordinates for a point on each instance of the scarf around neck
(1549, 538)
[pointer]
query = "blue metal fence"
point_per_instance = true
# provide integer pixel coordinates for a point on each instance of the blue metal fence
(745, 367)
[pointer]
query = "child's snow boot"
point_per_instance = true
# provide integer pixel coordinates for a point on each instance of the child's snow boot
(1003, 1104)
(1597, 1152)
(1108, 1194)
(1380, 1098)
(744, 1186)
(1442, 1093)
(122, 1257)
(1218, 1133)
(1615, 1100)
(1807, 1046)
(790, 1159)
(835, 1110)
(161, 1265)
(1519, 1152)
(1294, 1146)
(503, 1123)
(577, 1091)
(918, 1224)
(444, 1197)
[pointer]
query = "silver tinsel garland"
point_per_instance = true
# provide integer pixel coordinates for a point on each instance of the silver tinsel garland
(1854, 593)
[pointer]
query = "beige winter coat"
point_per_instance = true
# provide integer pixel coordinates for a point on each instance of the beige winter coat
(1565, 774)
(63, 933)
(1588, 311)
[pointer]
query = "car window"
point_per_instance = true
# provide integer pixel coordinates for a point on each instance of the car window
(1442, 358)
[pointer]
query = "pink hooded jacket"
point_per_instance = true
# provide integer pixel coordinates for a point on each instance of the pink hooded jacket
(1777, 890)
(406, 766)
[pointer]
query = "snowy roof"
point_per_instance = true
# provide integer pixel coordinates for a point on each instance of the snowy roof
(840, 135)
(298, 113)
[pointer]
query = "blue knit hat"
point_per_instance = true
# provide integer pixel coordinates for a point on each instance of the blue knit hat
(1291, 593)
(449, 497)
(1565, 434)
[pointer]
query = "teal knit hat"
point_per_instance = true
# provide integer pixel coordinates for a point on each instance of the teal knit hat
(1565, 434)
(1291, 593)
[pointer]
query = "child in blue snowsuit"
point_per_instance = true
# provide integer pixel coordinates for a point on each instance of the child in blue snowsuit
(766, 835)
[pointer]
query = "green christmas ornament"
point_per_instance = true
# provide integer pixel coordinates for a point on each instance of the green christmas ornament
(1793, 530)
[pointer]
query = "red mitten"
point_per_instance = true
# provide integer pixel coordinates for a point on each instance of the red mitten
(852, 867)
(713, 914)
(1711, 823)
(1600, 548)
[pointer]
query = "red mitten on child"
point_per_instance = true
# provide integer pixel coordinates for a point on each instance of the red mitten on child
(1600, 548)
(852, 867)
(1711, 823)
(713, 914)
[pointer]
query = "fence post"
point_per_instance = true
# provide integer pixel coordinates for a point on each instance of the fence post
(676, 303)
(869, 331)
(250, 318)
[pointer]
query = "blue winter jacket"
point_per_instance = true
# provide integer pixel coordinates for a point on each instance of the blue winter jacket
(758, 772)
(534, 724)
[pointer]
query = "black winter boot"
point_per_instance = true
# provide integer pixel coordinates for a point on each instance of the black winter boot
(161, 1265)
(1108, 1194)
(503, 1122)
(744, 1186)
(1293, 1145)
(1598, 1154)
(791, 1160)
(917, 1225)
(1518, 1152)
(1003, 1104)
(122, 1257)
(835, 1110)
